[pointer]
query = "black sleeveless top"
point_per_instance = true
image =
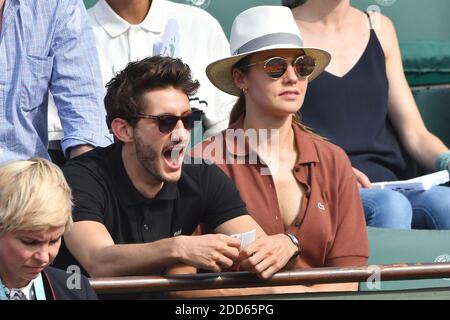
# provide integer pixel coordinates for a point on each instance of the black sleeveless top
(351, 111)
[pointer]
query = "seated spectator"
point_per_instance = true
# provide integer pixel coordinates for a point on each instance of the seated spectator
(136, 204)
(363, 103)
(291, 180)
(48, 45)
(31, 226)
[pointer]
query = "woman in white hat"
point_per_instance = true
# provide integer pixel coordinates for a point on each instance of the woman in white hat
(292, 181)
(363, 103)
(35, 210)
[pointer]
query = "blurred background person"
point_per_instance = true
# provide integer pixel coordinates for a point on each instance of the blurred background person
(48, 46)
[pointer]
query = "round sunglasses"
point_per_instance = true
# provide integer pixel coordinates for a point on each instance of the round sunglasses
(275, 67)
(167, 122)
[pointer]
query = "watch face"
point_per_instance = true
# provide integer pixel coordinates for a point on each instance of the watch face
(386, 3)
(294, 239)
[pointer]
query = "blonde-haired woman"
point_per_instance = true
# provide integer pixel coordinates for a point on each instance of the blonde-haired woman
(35, 210)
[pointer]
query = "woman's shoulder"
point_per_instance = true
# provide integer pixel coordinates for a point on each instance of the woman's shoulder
(382, 24)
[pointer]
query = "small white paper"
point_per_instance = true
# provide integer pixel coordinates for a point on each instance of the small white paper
(246, 238)
(420, 183)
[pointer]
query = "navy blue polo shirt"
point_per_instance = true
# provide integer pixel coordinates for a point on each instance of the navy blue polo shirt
(103, 192)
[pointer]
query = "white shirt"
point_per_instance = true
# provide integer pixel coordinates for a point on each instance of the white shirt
(173, 29)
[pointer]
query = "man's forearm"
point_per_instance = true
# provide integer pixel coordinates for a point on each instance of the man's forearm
(133, 259)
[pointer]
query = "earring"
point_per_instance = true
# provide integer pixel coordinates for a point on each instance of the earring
(244, 90)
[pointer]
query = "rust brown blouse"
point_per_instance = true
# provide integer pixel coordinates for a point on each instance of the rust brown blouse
(330, 223)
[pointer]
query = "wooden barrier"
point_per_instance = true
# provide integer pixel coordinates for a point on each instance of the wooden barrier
(285, 278)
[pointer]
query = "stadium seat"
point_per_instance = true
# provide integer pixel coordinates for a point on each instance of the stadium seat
(425, 49)
(434, 106)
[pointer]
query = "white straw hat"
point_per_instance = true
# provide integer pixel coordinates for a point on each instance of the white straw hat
(259, 29)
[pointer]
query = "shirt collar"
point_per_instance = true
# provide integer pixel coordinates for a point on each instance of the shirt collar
(125, 188)
(115, 25)
(156, 18)
(303, 141)
(28, 290)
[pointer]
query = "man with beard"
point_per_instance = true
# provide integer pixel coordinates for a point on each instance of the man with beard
(136, 204)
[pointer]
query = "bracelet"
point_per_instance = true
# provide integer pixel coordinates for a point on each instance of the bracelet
(443, 161)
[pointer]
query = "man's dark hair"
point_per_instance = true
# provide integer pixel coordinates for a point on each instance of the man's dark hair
(125, 91)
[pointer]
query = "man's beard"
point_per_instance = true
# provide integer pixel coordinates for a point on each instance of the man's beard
(149, 159)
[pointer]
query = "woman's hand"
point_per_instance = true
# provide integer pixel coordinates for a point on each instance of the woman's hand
(267, 255)
(362, 179)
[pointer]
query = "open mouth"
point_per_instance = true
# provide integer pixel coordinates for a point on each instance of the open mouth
(173, 156)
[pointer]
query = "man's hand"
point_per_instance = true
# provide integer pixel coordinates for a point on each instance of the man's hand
(362, 179)
(214, 252)
(267, 255)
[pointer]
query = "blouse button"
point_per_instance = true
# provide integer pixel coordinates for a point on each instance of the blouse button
(146, 227)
